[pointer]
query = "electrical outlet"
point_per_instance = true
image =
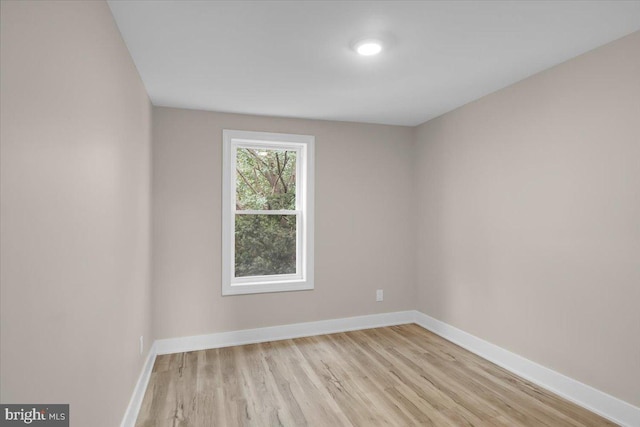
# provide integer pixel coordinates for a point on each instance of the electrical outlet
(379, 295)
(141, 344)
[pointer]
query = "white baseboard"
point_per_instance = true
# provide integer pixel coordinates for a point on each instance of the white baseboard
(586, 396)
(130, 416)
(274, 333)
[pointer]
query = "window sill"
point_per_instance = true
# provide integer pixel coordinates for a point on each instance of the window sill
(266, 287)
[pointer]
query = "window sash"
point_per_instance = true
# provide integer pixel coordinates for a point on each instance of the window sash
(283, 146)
(298, 212)
(298, 275)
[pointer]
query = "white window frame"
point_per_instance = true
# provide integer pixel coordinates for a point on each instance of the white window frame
(304, 147)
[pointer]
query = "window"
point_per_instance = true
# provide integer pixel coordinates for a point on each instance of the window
(267, 212)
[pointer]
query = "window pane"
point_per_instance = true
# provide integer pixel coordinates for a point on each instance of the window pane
(265, 179)
(265, 245)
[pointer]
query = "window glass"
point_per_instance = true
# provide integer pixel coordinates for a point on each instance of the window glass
(265, 245)
(265, 179)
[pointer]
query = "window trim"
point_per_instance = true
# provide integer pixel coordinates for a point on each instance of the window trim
(303, 279)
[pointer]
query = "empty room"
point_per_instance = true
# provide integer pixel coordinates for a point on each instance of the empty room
(319, 213)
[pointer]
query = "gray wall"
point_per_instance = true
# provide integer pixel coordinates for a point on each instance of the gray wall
(364, 237)
(529, 218)
(75, 178)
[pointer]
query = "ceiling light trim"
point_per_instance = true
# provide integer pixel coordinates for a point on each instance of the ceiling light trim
(368, 47)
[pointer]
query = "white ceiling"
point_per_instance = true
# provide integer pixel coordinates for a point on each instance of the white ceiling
(287, 58)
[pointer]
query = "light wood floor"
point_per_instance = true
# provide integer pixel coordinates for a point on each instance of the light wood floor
(396, 376)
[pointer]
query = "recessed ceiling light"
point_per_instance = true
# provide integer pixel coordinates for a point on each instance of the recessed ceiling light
(368, 47)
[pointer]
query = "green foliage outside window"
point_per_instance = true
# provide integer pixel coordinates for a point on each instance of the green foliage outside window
(265, 244)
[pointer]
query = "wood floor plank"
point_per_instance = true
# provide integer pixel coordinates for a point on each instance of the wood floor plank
(421, 409)
(503, 380)
(410, 375)
(395, 376)
(307, 391)
(378, 383)
(262, 392)
(458, 367)
(469, 404)
(339, 381)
